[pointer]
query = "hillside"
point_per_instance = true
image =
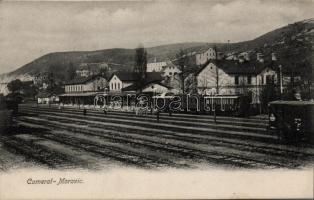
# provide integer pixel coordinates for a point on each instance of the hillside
(292, 43)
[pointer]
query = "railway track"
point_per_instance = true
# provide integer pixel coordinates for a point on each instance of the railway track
(137, 133)
(139, 124)
(181, 151)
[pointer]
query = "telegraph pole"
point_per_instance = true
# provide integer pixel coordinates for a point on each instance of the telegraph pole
(280, 79)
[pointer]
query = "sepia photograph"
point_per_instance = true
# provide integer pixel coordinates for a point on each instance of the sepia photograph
(157, 99)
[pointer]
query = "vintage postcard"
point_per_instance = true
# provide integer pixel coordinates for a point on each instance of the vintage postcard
(156, 99)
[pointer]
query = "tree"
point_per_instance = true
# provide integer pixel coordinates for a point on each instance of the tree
(140, 67)
(70, 71)
(191, 84)
(30, 90)
(15, 86)
(182, 60)
(104, 71)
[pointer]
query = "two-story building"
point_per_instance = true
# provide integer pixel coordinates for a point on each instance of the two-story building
(231, 77)
(156, 66)
(43, 80)
(170, 70)
(205, 55)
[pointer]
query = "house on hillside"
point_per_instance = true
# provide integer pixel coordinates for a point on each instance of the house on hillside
(43, 80)
(205, 55)
(90, 69)
(231, 77)
(156, 66)
(170, 70)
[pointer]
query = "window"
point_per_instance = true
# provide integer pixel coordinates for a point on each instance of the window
(115, 86)
(111, 86)
(236, 80)
(249, 80)
(119, 86)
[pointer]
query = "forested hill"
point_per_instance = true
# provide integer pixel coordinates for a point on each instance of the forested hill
(292, 43)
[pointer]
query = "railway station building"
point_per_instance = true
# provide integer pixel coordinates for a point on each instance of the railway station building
(83, 90)
(232, 77)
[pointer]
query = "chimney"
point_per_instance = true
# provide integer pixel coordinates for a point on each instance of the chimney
(259, 57)
(273, 57)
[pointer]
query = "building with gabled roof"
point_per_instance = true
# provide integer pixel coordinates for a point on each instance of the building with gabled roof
(82, 90)
(231, 77)
(156, 65)
(120, 80)
(86, 84)
(204, 55)
(153, 87)
(170, 69)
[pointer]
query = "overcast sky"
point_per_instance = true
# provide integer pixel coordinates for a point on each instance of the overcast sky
(29, 30)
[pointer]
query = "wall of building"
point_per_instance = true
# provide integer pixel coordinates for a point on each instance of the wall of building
(156, 66)
(171, 71)
(207, 80)
(96, 84)
(115, 84)
(83, 73)
(153, 87)
(202, 58)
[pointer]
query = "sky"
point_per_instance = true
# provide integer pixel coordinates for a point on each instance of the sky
(30, 29)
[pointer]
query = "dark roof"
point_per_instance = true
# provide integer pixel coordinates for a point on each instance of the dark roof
(44, 94)
(81, 80)
(130, 76)
(153, 76)
(130, 88)
(245, 67)
(124, 76)
(133, 86)
(295, 103)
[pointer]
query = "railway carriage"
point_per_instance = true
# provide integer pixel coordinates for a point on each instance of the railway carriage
(292, 121)
(231, 105)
